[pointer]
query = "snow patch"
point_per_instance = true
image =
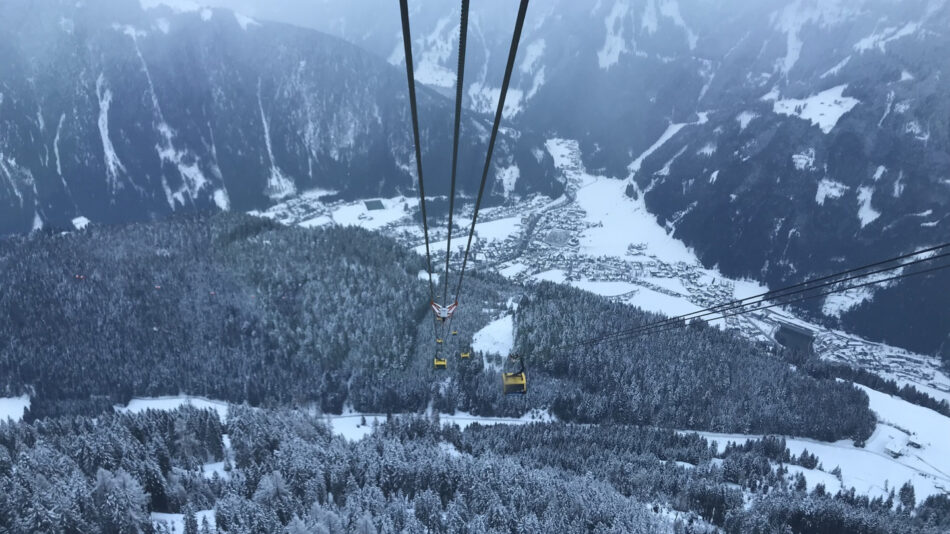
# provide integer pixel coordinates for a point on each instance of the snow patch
(508, 177)
(245, 21)
(804, 161)
(879, 40)
(744, 119)
(12, 407)
(222, 200)
(80, 222)
(668, 134)
(497, 337)
(823, 109)
(829, 189)
(866, 212)
(615, 43)
(879, 172)
(171, 403)
(278, 185)
(113, 164)
(499, 229)
(833, 71)
(176, 522)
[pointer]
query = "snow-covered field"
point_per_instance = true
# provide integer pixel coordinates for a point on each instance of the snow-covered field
(873, 470)
(176, 522)
(170, 403)
(350, 425)
(497, 337)
(12, 407)
(824, 109)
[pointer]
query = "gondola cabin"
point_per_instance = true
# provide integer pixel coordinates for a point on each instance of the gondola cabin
(439, 363)
(465, 355)
(514, 381)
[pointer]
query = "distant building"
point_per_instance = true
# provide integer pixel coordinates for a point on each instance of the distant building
(794, 337)
(374, 205)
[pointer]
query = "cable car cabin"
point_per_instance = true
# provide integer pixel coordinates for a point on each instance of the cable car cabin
(439, 363)
(455, 332)
(514, 383)
(438, 340)
(513, 379)
(465, 355)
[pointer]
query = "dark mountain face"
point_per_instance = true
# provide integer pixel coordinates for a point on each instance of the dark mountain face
(115, 113)
(781, 140)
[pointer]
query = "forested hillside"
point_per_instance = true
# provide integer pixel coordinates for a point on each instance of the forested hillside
(285, 472)
(241, 309)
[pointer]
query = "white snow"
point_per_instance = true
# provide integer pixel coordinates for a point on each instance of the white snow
(484, 99)
(349, 425)
(59, 129)
(12, 407)
(163, 25)
(906, 76)
(880, 39)
(605, 288)
(656, 302)
(668, 134)
(178, 6)
(513, 270)
(824, 109)
(839, 303)
(671, 284)
(508, 177)
(176, 522)
(356, 213)
(245, 21)
(424, 276)
(744, 119)
(617, 221)
(532, 54)
(804, 161)
(707, 150)
(879, 172)
(914, 128)
(714, 176)
(553, 275)
(615, 42)
(499, 229)
(497, 337)
(113, 163)
(795, 16)
(206, 14)
(837, 68)
(866, 212)
(80, 222)
(436, 51)
(671, 10)
(829, 189)
(222, 200)
(169, 403)
(278, 185)
(208, 471)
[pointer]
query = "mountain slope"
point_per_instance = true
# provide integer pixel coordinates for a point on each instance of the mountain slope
(781, 140)
(116, 113)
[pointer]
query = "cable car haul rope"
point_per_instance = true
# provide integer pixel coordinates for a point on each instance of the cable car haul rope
(444, 312)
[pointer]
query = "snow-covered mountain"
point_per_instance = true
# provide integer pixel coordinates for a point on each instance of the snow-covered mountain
(779, 139)
(115, 111)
